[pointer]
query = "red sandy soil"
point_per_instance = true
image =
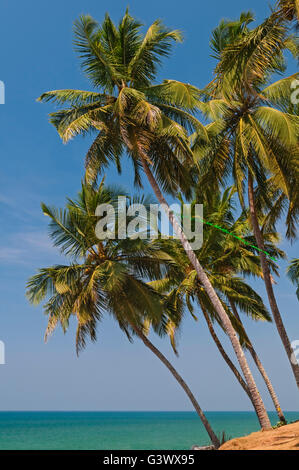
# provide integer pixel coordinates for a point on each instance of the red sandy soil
(283, 438)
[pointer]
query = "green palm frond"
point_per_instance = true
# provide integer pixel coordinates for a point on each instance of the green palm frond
(106, 148)
(156, 43)
(95, 57)
(279, 92)
(227, 32)
(279, 125)
(71, 231)
(252, 56)
(75, 97)
(175, 93)
(215, 109)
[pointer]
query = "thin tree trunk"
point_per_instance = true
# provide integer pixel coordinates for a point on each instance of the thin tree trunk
(182, 383)
(260, 367)
(259, 405)
(230, 364)
(268, 283)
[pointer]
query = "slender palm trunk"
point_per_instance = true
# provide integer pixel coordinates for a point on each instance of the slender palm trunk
(267, 279)
(259, 405)
(182, 383)
(228, 361)
(260, 367)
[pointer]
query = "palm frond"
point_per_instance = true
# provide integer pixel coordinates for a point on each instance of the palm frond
(95, 60)
(156, 43)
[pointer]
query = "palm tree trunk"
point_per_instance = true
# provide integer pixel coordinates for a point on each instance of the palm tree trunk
(259, 405)
(182, 383)
(260, 367)
(230, 364)
(267, 279)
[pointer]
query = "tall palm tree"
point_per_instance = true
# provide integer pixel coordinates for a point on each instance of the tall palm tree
(241, 262)
(293, 273)
(225, 258)
(149, 122)
(255, 135)
(104, 276)
(260, 367)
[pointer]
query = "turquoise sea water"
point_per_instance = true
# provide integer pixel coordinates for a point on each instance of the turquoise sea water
(119, 430)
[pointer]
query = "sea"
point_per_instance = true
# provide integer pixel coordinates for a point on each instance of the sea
(84, 430)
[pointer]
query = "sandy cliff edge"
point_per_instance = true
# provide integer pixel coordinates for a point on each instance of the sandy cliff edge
(283, 438)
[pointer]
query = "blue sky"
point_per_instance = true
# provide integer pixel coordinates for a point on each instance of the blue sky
(37, 55)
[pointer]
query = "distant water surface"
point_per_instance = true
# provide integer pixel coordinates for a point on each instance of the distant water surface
(120, 430)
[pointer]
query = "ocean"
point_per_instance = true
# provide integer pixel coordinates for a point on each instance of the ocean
(120, 430)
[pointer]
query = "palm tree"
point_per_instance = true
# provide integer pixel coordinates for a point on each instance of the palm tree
(149, 122)
(241, 262)
(255, 135)
(104, 276)
(293, 273)
(260, 367)
(224, 258)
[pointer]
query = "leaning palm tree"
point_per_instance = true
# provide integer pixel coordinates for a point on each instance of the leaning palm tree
(293, 273)
(254, 130)
(149, 122)
(249, 346)
(236, 260)
(225, 258)
(104, 276)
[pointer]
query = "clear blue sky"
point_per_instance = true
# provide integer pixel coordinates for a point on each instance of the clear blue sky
(37, 55)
